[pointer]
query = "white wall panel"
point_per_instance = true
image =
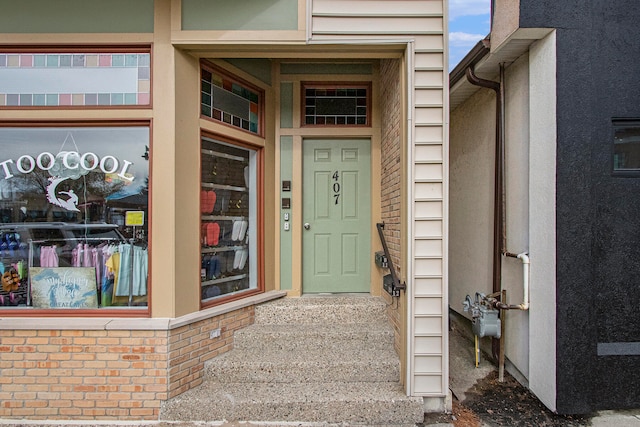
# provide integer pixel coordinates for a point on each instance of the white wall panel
(428, 286)
(428, 325)
(429, 247)
(427, 134)
(429, 60)
(425, 153)
(429, 170)
(428, 190)
(383, 7)
(429, 79)
(428, 209)
(430, 115)
(428, 364)
(428, 228)
(428, 382)
(426, 306)
(428, 345)
(374, 25)
(428, 266)
(428, 97)
(429, 43)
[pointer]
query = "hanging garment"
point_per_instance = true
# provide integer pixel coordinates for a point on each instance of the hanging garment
(133, 271)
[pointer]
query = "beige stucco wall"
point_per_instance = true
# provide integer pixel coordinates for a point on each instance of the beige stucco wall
(506, 20)
(516, 337)
(472, 193)
(471, 164)
(542, 214)
(530, 149)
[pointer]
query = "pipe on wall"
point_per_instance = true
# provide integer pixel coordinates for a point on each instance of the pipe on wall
(524, 257)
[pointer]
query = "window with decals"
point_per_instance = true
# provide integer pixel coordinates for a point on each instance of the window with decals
(74, 216)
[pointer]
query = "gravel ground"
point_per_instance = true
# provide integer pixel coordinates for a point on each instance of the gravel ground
(486, 402)
(491, 403)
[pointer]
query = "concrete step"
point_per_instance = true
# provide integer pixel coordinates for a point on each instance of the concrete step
(317, 365)
(324, 360)
(376, 336)
(345, 403)
(325, 310)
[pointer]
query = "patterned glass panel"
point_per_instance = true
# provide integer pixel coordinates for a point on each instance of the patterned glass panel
(226, 100)
(74, 79)
(336, 106)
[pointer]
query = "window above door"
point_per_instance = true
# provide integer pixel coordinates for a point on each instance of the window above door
(343, 104)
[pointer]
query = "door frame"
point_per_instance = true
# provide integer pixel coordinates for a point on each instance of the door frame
(296, 223)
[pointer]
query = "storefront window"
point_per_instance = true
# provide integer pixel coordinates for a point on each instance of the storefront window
(228, 207)
(74, 217)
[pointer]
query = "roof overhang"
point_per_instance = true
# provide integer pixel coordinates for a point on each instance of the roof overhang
(486, 59)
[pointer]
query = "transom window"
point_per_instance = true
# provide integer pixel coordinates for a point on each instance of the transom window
(230, 100)
(336, 105)
(60, 78)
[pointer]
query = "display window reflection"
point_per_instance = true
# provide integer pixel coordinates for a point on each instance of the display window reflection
(229, 221)
(74, 217)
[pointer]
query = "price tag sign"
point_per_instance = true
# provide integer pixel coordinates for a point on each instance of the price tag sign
(134, 218)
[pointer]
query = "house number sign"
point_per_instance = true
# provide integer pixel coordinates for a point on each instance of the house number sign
(336, 187)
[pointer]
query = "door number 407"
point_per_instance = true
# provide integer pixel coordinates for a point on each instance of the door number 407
(336, 187)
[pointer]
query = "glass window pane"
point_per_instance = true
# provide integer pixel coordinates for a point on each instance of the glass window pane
(626, 146)
(228, 208)
(238, 103)
(61, 75)
(342, 106)
(74, 216)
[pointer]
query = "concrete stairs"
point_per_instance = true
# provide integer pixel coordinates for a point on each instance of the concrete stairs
(320, 359)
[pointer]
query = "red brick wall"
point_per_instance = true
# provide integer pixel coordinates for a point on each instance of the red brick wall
(106, 374)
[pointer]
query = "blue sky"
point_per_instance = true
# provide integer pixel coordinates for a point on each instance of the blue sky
(469, 22)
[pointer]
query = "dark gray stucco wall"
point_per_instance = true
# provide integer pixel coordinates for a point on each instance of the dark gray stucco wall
(598, 215)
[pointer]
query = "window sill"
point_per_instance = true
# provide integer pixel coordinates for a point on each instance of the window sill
(158, 324)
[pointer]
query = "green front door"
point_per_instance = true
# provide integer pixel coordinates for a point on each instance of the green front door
(336, 238)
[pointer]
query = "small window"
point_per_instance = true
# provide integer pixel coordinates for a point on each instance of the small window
(626, 147)
(59, 78)
(229, 100)
(336, 105)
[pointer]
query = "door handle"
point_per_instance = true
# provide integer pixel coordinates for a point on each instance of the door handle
(307, 226)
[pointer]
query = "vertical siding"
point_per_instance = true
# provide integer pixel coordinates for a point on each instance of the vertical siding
(422, 23)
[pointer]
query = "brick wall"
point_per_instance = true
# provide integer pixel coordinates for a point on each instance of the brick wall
(105, 373)
(391, 154)
(190, 346)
